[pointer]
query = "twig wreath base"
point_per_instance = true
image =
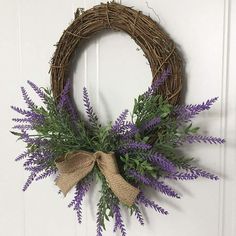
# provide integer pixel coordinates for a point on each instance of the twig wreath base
(158, 47)
(126, 156)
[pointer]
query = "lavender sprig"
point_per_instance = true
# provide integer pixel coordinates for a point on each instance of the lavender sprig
(30, 116)
(150, 125)
(99, 223)
(27, 99)
(134, 146)
(157, 185)
(162, 162)
(38, 90)
(22, 120)
(119, 125)
(139, 216)
(89, 109)
(23, 127)
(202, 173)
(64, 95)
(158, 82)
(182, 176)
(46, 173)
(131, 131)
(29, 181)
(21, 111)
(149, 203)
(81, 190)
(187, 112)
(22, 155)
(206, 139)
(118, 220)
(72, 110)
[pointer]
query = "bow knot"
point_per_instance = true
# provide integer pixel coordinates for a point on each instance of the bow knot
(74, 166)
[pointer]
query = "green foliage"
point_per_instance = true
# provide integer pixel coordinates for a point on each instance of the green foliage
(65, 136)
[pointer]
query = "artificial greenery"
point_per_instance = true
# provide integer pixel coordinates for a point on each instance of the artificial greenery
(147, 146)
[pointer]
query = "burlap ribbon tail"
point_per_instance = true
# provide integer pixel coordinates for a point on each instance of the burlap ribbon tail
(74, 166)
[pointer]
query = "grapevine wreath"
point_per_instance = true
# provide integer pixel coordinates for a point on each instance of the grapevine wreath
(126, 156)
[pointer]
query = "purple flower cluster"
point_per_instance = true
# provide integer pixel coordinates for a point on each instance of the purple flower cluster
(65, 102)
(99, 223)
(64, 95)
(202, 173)
(154, 183)
(119, 126)
(187, 112)
(192, 173)
(206, 139)
(27, 99)
(38, 91)
(139, 216)
(89, 109)
(37, 164)
(149, 203)
(118, 220)
(162, 162)
(125, 130)
(134, 146)
(81, 189)
(131, 131)
(182, 176)
(23, 127)
(150, 125)
(158, 82)
(31, 118)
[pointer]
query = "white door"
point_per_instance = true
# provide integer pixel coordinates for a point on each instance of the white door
(114, 70)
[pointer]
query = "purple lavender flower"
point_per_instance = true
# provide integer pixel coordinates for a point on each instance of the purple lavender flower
(162, 162)
(48, 172)
(131, 130)
(119, 124)
(139, 216)
(135, 146)
(187, 112)
(148, 203)
(118, 220)
(36, 119)
(150, 125)
(64, 95)
(81, 189)
(27, 99)
(72, 110)
(66, 102)
(89, 109)
(206, 139)
(22, 155)
(158, 82)
(203, 173)
(21, 120)
(38, 159)
(157, 185)
(30, 116)
(182, 176)
(22, 127)
(38, 91)
(36, 163)
(99, 223)
(21, 111)
(29, 181)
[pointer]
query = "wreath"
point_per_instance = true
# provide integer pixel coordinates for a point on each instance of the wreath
(140, 150)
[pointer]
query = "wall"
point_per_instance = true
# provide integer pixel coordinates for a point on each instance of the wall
(205, 29)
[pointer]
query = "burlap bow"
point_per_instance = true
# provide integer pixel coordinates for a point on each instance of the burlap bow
(74, 166)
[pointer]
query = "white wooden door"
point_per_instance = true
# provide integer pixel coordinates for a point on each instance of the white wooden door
(115, 71)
